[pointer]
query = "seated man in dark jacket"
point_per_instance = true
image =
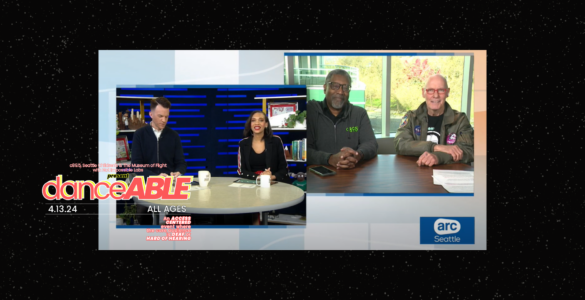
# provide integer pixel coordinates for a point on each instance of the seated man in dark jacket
(339, 134)
(159, 145)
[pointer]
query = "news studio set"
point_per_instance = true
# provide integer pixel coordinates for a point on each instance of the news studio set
(205, 198)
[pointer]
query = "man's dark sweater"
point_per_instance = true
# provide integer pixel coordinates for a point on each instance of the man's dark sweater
(146, 149)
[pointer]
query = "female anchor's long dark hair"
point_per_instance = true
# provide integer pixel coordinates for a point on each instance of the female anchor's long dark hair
(248, 131)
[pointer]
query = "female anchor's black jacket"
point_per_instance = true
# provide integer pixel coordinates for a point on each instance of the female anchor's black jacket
(275, 159)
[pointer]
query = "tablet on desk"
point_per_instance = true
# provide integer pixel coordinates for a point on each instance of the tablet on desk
(322, 171)
(252, 181)
(245, 181)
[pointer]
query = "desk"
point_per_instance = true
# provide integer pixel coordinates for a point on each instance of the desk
(220, 198)
(383, 174)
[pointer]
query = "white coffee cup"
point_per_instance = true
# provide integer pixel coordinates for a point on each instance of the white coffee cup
(264, 181)
(204, 178)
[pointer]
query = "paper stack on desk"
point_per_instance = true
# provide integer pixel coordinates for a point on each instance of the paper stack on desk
(454, 181)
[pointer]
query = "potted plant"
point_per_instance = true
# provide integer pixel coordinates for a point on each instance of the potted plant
(129, 214)
(298, 117)
(119, 220)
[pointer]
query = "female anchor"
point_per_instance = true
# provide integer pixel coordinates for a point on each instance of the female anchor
(260, 152)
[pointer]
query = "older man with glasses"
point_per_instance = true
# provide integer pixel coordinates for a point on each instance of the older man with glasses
(339, 134)
(435, 132)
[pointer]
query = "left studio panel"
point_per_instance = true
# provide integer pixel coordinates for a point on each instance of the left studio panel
(210, 124)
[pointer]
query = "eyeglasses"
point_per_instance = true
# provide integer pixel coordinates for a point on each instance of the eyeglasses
(432, 91)
(335, 86)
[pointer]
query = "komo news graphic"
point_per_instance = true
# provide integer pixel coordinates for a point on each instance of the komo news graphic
(286, 150)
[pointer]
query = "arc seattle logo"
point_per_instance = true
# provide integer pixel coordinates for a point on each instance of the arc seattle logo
(447, 230)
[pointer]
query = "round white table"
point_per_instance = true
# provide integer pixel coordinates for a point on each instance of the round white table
(220, 198)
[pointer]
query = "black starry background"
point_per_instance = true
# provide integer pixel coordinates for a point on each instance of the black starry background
(535, 124)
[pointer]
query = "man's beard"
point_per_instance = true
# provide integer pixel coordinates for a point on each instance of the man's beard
(337, 103)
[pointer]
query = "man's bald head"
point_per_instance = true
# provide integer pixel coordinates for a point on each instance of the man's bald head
(437, 77)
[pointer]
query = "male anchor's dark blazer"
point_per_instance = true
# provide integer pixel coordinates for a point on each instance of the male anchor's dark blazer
(275, 159)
